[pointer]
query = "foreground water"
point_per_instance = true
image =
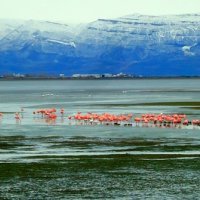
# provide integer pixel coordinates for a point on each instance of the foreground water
(63, 161)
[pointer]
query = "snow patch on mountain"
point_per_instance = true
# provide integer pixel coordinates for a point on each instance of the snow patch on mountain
(187, 51)
(72, 44)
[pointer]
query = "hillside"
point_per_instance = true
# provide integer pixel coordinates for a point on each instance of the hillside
(134, 44)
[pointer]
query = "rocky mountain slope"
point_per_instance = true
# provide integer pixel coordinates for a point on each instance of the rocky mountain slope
(134, 44)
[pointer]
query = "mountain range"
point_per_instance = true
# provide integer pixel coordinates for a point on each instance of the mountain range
(134, 44)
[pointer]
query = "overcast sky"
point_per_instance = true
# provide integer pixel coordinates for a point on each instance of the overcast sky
(81, 11)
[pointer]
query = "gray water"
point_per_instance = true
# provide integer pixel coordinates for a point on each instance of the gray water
(68, 161)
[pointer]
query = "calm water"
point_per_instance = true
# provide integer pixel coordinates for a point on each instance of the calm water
(63, 161)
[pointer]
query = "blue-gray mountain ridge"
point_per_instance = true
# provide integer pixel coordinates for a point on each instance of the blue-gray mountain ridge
(133, 44)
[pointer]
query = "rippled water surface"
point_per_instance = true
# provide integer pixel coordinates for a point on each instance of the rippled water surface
(39, 160)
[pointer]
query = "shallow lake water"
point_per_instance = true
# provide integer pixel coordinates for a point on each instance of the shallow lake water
(39, 160)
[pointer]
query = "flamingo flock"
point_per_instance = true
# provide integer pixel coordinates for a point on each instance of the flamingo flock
(48, 113)
(95, 118)
(162, 119)
(146, 120)
(167, 120)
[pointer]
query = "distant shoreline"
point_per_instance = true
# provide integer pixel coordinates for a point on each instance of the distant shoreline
(92, 78)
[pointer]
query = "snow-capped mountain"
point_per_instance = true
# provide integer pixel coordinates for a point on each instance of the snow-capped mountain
(134, 44)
